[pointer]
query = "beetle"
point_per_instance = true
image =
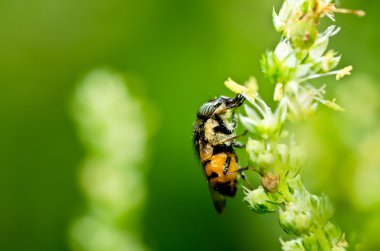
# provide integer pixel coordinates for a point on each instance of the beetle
(214, 140)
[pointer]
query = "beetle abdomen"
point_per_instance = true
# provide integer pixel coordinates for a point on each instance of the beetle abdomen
(221, 172)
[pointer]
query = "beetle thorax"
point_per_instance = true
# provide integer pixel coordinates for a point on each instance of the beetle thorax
(214, 137)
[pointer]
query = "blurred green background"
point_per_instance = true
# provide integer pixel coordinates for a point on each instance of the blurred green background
(175, 55)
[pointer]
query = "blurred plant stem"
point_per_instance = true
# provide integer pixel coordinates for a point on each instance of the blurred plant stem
(111, 127)
(358, 142)
(300, 57)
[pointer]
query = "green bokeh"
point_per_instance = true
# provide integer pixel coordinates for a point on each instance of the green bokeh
(179, 53)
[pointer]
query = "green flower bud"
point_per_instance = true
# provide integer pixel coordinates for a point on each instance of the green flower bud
(311, 243)
(303, 33)
(297, 157)
(329, 61)
(338, 248)
(321, 207)
(333, 233)
(261, 201)
(342, 245)
(292, 245)
(306, 243)
(294, 220)
(276, 70)
(255, 146)
(262, 157)
(266, 159)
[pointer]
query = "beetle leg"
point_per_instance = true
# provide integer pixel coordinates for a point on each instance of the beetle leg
(242, 175)
(231, 139)
(238, 144)
(226, 165)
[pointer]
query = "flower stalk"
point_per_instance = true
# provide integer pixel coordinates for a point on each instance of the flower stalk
(113, 132)
(300, 57)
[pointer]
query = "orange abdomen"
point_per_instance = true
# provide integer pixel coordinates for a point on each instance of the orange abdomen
(224, 183)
